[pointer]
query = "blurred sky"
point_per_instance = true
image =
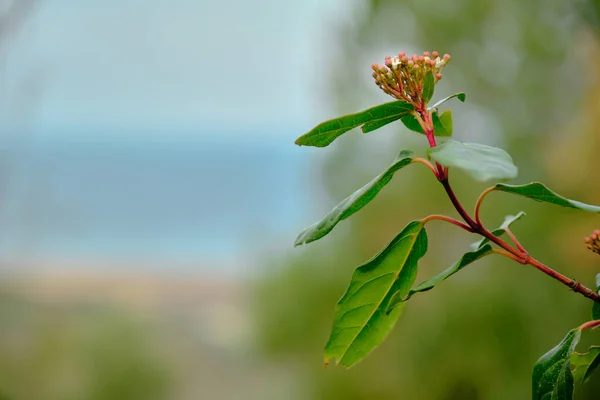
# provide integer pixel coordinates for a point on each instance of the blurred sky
(161, 130)
(184, 64)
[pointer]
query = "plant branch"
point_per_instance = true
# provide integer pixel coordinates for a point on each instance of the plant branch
(573, 284)
(447, 219)
(506, 254)
(590, 325)
(518, 254)
(428, 164)
(479, 201)
(515, 240)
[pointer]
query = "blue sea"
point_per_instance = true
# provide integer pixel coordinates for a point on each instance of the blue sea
(156, 197)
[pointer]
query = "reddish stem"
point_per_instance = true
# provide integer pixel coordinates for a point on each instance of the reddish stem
(589, 325)
(447, 219)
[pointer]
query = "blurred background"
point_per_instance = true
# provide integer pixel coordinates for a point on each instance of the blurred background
(150, 195)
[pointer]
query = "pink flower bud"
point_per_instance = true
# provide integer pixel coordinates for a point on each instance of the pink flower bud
(401, 55)
(446, 57)
(434, 54)
(426, 54)
(438, 76)
(375, 67)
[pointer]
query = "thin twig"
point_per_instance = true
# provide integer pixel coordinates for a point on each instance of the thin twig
(515, 240)
(447, 219)
(589, 325)
(479, 201)
(428, 164)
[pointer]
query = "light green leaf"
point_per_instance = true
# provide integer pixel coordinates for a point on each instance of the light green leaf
(552, 378)
(325, 133)
(538, 192)
(585, 364)
(461, 96)
(354, 202)
(479, 161)
(596, 306)
(442, 123)
(360, 322)
(428, 87)
(429, 284)
(501, 230)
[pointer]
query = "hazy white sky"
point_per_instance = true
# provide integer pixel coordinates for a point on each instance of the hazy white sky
(184, 64)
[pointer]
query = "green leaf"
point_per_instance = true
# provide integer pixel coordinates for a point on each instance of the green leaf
(596, 306)
(501, 230)
(461, 96)
(538, 192)
(585, 364)
(325, 133)
(360, 322)
(442, 123)
(552, 378)
(428, 87)
(354, 202)
(479, 161)
(429, 284)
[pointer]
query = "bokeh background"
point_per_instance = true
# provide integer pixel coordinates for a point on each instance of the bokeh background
(150, 194)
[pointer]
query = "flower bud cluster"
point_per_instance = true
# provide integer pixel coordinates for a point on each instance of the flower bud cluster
(593, 241)
(403, 77)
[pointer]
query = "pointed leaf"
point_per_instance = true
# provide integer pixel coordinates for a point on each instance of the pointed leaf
(585, 364)
(481, 162)
(429, 284)
(374, 125)
(538, 192)
(325, 133)
(361, 322)
(428, 87)
(552, 378)
(596, 306)
(442, 123)
(461, 96)
(501, 230)
(354, 202)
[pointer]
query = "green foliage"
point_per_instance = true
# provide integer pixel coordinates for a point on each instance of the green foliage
(428, 87)
(429, 284)
(379, 288)
(596, 306)
(442, 123)
(479, 161)
(325, 133)
(355, 201)
(584, 365)
(552, 378)
(539, 192)
(361, 322)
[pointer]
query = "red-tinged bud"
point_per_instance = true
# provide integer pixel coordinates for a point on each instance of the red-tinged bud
(415, 57)
(410, 62)
(416, 66)
(593, 241)
(434, 54)
(404, 59)
(426, 54)
(421, 59)
(446, 57)
(375, 67)
(438, 76)
(401, 55)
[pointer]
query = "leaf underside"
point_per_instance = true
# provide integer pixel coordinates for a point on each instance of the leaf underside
(325, 133)
(461, 96)
(360, 322)
(585, 364)
(354, 202)
(552, 378)
(479, 161)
